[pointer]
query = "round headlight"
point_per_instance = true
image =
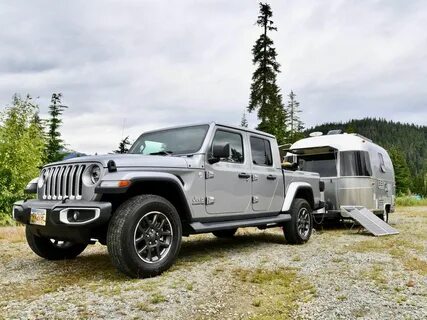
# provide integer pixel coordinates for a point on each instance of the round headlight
(95, 174)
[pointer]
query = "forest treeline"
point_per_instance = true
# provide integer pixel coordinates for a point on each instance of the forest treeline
(406, 143)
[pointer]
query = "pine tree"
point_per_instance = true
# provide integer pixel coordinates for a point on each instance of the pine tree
(55, 144)
(295, 125)
(244, 121)
(265, 94)
(123, 146)
(401, 171)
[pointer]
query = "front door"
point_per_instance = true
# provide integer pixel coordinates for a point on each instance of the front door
(228, 182)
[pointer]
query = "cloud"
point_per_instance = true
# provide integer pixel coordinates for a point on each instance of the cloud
(130, 66)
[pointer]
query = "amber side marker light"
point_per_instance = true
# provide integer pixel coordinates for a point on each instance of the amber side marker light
(124, 183)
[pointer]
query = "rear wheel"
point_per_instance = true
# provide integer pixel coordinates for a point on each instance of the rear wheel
(298, 229)
(229, 233)
(384, 216)
(144, 236)
(52, 249)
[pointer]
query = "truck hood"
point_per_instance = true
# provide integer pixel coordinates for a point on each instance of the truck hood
(131, 160)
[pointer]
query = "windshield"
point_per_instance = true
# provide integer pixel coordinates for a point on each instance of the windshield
(171, 141)
(324, 164)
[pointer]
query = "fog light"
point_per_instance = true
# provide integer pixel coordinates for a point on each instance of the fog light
(79, 215)
(76, 215)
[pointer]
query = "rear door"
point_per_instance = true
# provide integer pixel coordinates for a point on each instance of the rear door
(265, 177)
(228, 182)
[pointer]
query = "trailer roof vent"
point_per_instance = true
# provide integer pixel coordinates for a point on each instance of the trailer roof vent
(315, 134)
(338, 131)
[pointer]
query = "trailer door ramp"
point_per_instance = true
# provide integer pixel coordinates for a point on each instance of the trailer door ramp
(370, 221)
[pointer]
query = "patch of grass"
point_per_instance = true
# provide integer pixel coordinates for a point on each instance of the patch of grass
(415, 264)
(12, 234)
(404, 247)
(342, 298)
(376, 274)
(296, 258)
(337, 260)
(359, 312)
(277, 291)
(409, 201)
(144, 306)
(94, 272)
(385, 244)
(158, 298)
(189, 287)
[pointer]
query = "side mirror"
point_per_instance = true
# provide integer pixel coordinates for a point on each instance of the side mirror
(219, 152)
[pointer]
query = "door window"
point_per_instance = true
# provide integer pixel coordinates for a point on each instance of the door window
(235, 142)
(261, 152)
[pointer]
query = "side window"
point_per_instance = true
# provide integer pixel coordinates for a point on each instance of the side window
(261, 152)
(382, 164)
(355, 163)
(235, 142)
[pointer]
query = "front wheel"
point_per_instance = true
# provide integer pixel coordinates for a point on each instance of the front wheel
(298, 229)
(52, 249)
(144, 236)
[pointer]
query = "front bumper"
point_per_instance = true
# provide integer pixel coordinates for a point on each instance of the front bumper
(58, 213)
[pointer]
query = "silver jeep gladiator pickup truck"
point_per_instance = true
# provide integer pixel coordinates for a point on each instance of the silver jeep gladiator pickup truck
(173, 182)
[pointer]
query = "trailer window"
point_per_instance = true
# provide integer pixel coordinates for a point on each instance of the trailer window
(323, 164)
(355, 164)
(382, 164)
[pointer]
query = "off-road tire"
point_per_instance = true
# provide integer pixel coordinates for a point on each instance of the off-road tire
(46, 248)
(122, 232)
(229, 233)
(292, 233)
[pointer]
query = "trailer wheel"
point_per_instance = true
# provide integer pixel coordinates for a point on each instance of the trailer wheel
(298, 229)
(384, 216)
(144, 236)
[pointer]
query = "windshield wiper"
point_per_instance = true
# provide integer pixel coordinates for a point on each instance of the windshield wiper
(162, 153)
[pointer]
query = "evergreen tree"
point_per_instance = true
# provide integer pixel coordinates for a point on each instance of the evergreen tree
(295, 125)
(123, 146)
(244, 121)
(401, 171)
(265, 95)
(55, 144)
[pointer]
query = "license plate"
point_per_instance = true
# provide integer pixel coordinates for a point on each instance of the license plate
(38, 216)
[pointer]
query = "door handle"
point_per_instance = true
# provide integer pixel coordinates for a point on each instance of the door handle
(271, 177)
(244, 175)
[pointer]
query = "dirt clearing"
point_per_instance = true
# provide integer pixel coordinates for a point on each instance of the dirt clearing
(338, 274)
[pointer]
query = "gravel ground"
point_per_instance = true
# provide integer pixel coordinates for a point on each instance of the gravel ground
(338, 274)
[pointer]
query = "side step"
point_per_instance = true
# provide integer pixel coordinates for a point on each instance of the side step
(203, 227)
(370, 221)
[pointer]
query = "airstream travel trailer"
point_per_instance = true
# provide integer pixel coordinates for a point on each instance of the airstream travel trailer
(355, 171)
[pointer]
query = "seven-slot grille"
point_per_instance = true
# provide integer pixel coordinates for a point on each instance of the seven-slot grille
(64, 181)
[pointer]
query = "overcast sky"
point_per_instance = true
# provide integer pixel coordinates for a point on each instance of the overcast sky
(125, 67)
